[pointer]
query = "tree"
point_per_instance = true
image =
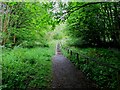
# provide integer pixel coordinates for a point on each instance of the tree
(94, 24)
(28, 23)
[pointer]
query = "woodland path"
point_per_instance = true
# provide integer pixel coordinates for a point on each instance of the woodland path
(65, 75)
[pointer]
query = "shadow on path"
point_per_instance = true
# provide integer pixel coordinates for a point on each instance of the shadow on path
(65, 75)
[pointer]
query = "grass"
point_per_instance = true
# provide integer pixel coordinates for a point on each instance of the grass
(105, 77)
(24, 68)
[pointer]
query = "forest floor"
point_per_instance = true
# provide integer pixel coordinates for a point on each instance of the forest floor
(65, 75)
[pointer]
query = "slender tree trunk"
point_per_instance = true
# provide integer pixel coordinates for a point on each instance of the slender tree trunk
(104, 22)
(5, 26)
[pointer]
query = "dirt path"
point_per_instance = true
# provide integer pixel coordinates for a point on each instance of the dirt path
(65, 75)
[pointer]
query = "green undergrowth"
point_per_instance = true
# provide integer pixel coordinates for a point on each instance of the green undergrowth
(26, 69)
(104, 76)
(110, 56)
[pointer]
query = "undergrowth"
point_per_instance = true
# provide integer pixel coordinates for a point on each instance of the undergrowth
(104, 76)
(25, 69)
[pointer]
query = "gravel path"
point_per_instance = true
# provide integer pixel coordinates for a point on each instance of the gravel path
(65, 75)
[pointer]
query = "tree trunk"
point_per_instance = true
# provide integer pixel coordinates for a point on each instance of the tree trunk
(5, 26)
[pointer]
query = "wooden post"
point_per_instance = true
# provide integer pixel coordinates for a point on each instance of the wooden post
(68, 51)
(77, 56)
(74, 55)
(71, 52)
(118, 80)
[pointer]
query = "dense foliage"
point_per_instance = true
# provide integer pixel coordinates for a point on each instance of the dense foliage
(105, 74)
(26, 69)
(90, 28)
(26, 32)
(26, 53)
(94, 24)
(25, 24)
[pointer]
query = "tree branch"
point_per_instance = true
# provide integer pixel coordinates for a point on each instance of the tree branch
(69, 12)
